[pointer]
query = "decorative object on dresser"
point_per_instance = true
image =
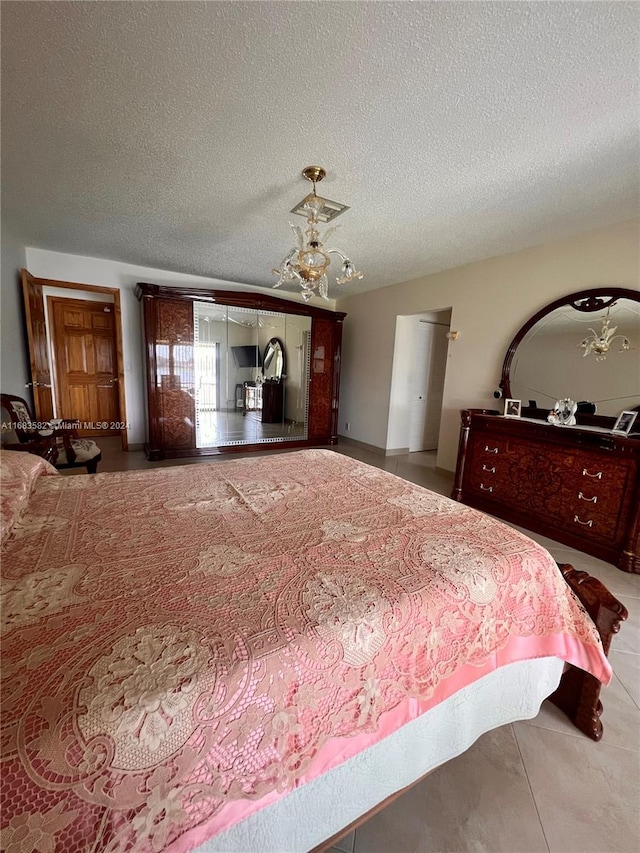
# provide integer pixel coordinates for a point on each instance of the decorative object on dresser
(579, 485)
(208, 349)
(625, 422)
(512, 408)
(563, 413)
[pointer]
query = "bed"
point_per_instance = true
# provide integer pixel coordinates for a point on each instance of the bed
(196, 657)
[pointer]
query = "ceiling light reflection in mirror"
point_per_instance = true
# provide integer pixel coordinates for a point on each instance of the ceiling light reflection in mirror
(235, 404)
(549, 363)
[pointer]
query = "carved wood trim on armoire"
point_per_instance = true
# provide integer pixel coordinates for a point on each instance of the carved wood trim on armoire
(168, 321)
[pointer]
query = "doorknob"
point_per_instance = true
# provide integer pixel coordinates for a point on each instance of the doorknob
(37, 385)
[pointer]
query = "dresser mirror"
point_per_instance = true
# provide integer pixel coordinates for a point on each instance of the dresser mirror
(570, 349)
(274, 361)
(251, 375)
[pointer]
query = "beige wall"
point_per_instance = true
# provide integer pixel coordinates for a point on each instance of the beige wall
(490, 300)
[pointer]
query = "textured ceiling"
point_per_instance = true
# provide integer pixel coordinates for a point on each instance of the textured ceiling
(173, 134)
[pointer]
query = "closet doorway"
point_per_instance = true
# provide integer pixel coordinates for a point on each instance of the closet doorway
(417, 382)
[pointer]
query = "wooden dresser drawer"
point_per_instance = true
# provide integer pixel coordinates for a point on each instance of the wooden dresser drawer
(574, 485)
(598, 494)
(488, 467)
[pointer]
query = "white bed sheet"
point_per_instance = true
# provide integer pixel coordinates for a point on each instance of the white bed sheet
(323, 807)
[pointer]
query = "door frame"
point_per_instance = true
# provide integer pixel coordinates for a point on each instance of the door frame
(53, 300)
(38, 284)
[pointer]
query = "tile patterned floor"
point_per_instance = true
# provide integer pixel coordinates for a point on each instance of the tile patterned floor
(538, 786)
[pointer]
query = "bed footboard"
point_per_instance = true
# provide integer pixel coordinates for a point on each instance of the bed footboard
(578, 694)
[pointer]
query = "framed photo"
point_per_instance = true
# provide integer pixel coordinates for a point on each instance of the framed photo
(625, 422)
(512, 408)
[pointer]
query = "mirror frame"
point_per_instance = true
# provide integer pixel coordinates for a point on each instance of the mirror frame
(272, 343)
(585, 301)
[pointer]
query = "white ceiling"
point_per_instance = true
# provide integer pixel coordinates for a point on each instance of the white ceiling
(173, 134)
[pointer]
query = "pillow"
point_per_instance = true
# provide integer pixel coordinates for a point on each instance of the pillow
(19, 473)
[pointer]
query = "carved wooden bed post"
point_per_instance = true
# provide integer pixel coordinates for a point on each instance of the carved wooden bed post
(578, 694)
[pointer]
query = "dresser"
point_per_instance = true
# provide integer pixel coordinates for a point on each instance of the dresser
(577, 485)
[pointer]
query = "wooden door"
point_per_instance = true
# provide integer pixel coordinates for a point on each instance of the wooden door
(38, 350)
(84, 353)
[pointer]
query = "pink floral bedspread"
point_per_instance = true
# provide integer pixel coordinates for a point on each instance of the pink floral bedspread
(183, 645)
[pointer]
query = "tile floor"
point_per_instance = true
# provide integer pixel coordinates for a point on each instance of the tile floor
(529, 787)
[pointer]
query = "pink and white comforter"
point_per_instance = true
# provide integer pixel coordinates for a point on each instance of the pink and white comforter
(183, 646)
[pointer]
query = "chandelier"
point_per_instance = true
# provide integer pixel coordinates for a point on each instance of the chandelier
(600, 342)
(306, 264)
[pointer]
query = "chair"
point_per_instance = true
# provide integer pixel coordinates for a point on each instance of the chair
(59, 445)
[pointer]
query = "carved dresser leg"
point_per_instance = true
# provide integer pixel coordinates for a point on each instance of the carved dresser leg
(578, 693)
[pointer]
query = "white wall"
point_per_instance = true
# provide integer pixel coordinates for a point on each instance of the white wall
(106, 273)
(490, 301)
(14, 357)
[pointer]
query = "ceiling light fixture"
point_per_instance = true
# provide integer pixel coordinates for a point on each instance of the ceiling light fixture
(306, 264)
(600, 343)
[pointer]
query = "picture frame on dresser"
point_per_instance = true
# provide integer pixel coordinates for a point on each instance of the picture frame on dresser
(512, 408)
(624, 423)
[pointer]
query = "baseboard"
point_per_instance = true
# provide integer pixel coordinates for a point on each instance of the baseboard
(440, 470)
(351, 442)
(372, 448)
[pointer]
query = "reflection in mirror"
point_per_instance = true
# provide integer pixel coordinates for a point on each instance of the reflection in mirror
(236, 402)
(273, 366)
(550, 363)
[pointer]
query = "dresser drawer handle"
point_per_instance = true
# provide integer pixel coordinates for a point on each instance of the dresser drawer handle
(597, 476)
(586, 523)
(486, 488)
(490, 470)
(488, 449)
(593, 500)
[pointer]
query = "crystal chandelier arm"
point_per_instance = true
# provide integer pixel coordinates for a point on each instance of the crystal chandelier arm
(349, 273)
(337, 252)
(329, 232)
(323, 287)
(299, 235)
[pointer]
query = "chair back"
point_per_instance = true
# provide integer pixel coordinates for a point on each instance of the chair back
(19, 416)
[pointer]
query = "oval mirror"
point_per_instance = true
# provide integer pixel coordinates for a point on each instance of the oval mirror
(585, 346)
(273, 361)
